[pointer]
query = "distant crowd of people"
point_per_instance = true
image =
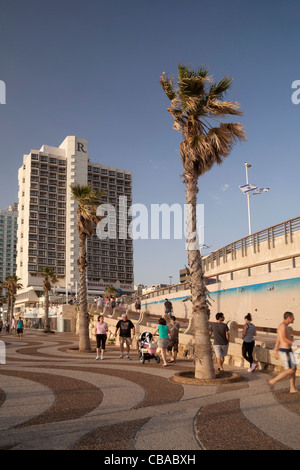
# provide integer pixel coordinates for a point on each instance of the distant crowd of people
(109, 301)
(16, 326)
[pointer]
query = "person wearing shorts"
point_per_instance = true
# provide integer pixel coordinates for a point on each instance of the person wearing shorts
(20, 328)
(101, 336)
(221, 339)
(174, 339)
(283, 346)
(163, 338)
(125, 325)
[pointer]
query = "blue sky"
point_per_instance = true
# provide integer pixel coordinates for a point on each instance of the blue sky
(91, 69)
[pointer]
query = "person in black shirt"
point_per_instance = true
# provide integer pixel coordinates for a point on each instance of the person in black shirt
(221, 339)
(168, 307)
(125, 326)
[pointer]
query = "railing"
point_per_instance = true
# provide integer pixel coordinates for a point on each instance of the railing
(285, 229)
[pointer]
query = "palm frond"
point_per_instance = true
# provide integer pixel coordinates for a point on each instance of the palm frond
(222, 108)
(192, 86)
(195, 107)
(85, 194)
(217, 90)
(167, 84)
(185, 72)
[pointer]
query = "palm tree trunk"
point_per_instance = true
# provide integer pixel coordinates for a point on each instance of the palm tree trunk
(204, 367)
(13, 299)
(47, 322)
(84, 338)
(8, 307)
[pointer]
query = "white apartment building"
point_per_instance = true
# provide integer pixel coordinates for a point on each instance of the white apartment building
(8, 241)
(47, 232)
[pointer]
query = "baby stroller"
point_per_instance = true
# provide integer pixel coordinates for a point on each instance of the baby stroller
(147, 348)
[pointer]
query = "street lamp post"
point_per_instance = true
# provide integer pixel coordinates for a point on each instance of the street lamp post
(247, 165)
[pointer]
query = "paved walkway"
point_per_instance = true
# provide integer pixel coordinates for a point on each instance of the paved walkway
(51, 399)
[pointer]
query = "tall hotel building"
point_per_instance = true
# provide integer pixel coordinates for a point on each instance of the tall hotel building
(47, 231)
(8, 241)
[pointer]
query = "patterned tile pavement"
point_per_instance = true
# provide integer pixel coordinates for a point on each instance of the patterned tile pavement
(54, 399)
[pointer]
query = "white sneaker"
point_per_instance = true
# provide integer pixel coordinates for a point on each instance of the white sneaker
(250, 369)
(253, 367)
(121, 356)
(102, 357)
(127, 356)
(97, 358)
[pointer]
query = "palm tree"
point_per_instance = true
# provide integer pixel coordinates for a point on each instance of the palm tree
(88, 200)
(49, 278)
(110, 290)
(12, 285)
(197, 103)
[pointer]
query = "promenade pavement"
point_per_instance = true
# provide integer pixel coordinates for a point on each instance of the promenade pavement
(52, 399)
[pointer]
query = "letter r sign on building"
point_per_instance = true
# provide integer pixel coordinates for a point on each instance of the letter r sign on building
(80, 147)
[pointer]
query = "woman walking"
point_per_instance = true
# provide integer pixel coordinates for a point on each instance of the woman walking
(101, 336)
(249, 331)
(163, 338)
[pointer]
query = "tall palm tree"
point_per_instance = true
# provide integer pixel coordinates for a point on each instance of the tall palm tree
(88, 201)
(49, 278)
(12, 285)
(197, 103)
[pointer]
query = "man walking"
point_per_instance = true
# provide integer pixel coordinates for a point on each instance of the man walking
(168, 307)
(173, 339)
(221, 339)
(138, 305)
(125, 325)
(283, 345)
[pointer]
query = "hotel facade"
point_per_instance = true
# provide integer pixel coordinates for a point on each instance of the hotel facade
(47, 218)
(8, 241)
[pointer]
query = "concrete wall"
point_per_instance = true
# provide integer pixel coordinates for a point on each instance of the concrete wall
(266, 297)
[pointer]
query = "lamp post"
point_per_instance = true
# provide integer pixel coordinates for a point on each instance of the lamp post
(203, 247)
(247, 165)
